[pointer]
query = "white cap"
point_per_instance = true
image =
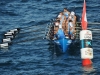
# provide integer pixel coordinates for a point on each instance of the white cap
(59, 16)
(72, 13)
(56, 24)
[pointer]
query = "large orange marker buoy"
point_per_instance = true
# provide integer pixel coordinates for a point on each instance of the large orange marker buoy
(86, 40)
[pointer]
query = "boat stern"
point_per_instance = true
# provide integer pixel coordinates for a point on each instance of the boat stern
(64, 44)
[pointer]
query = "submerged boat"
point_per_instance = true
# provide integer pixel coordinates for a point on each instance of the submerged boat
(62, 42)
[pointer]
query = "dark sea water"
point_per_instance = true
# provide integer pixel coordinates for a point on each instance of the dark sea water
(29, 53)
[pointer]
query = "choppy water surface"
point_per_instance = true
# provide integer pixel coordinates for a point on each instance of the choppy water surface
(29, 53)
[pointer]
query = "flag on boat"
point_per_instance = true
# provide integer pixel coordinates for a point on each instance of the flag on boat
(84, 18)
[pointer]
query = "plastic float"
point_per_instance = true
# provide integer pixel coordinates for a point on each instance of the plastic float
(8, 36)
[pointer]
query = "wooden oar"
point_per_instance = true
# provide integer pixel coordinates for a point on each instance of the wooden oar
(91, 23)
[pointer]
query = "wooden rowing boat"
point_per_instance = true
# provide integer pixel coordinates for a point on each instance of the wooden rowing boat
(63, 43)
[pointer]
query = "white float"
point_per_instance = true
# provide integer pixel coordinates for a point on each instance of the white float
(9, 35)
(11, 32)
(15, 30)
(6, 40)
(4, 45)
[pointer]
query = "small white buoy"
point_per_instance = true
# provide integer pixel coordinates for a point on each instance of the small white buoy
(7, 40)
(15, 30)
(9, 35)
(11, 32)
(4, 45)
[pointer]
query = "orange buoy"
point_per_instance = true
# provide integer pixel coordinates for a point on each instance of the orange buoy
(86, 40)
(86, 62)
